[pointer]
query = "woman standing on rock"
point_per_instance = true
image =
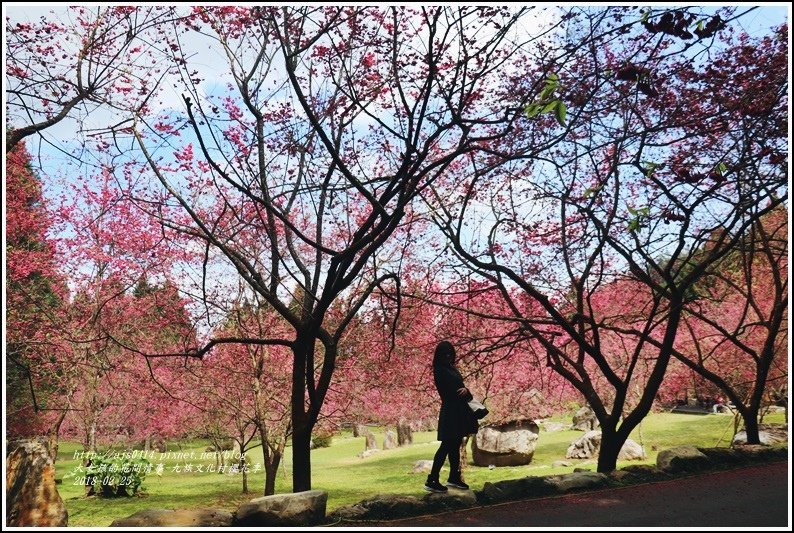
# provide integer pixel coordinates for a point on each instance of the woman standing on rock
(455, 419)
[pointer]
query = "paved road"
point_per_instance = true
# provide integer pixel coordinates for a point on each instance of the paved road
(756, 496)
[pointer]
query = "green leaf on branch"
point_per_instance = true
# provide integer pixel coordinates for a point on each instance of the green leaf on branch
(561, 112)
(650, 168)
(532, 110)
(546, 103)
(592, 190)
(640, 215)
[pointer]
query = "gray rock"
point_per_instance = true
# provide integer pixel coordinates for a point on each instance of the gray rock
(31, 496)
(554, 426)
(645, 471)
(619, 475)
(454, 499)
(422, 467)
(513, 489)
(296, 509)
(585, 447)
(578, 481)
(508, 444)
(381, 506)
(561, 464)
(176, 518)
(631, 451)
(390, 440)
(585, 419)
(745, 454)
(367, 453)
(682, 458)
(370, 440)
(405, 434)
(588, 445)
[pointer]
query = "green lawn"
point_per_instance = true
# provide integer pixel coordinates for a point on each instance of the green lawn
(349, 479)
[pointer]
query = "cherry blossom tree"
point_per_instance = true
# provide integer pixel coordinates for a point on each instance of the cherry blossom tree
(736, 329)
(301, 169)
(34, 291)
(62, 71)
(646, 132)
(598, 151)
(244, 388)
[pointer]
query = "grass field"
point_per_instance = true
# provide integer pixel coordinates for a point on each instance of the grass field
(348, 479)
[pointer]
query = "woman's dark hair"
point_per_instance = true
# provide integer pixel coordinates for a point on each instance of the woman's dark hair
(445, 354)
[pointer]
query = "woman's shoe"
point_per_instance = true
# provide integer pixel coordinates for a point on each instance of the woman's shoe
(458, 484)
(433, 485)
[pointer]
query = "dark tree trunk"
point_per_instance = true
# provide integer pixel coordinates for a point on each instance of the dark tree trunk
(301, 455)
(301, 422)
(750, 416)
(611, 443)
(271, 469)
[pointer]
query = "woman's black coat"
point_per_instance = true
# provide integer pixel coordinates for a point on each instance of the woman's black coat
(455, 420)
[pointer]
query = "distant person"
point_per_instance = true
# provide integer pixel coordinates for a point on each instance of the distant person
(455, 419)
(719, 405)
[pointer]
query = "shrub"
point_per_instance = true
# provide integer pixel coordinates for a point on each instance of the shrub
(117, 475)
(322, 441)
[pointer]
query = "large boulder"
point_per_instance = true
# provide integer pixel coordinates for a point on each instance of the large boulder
(585, 447)
(31, 496)
(284, 510)
(631, 451)
(508, 444)
(584, 419)
(682, 459)
(176, 518)
(588, 445)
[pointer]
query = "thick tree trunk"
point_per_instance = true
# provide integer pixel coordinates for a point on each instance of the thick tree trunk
(301, 423)
(611, 443)
(271, 469)
(750, 416)
(612, 436)
(301, 456)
